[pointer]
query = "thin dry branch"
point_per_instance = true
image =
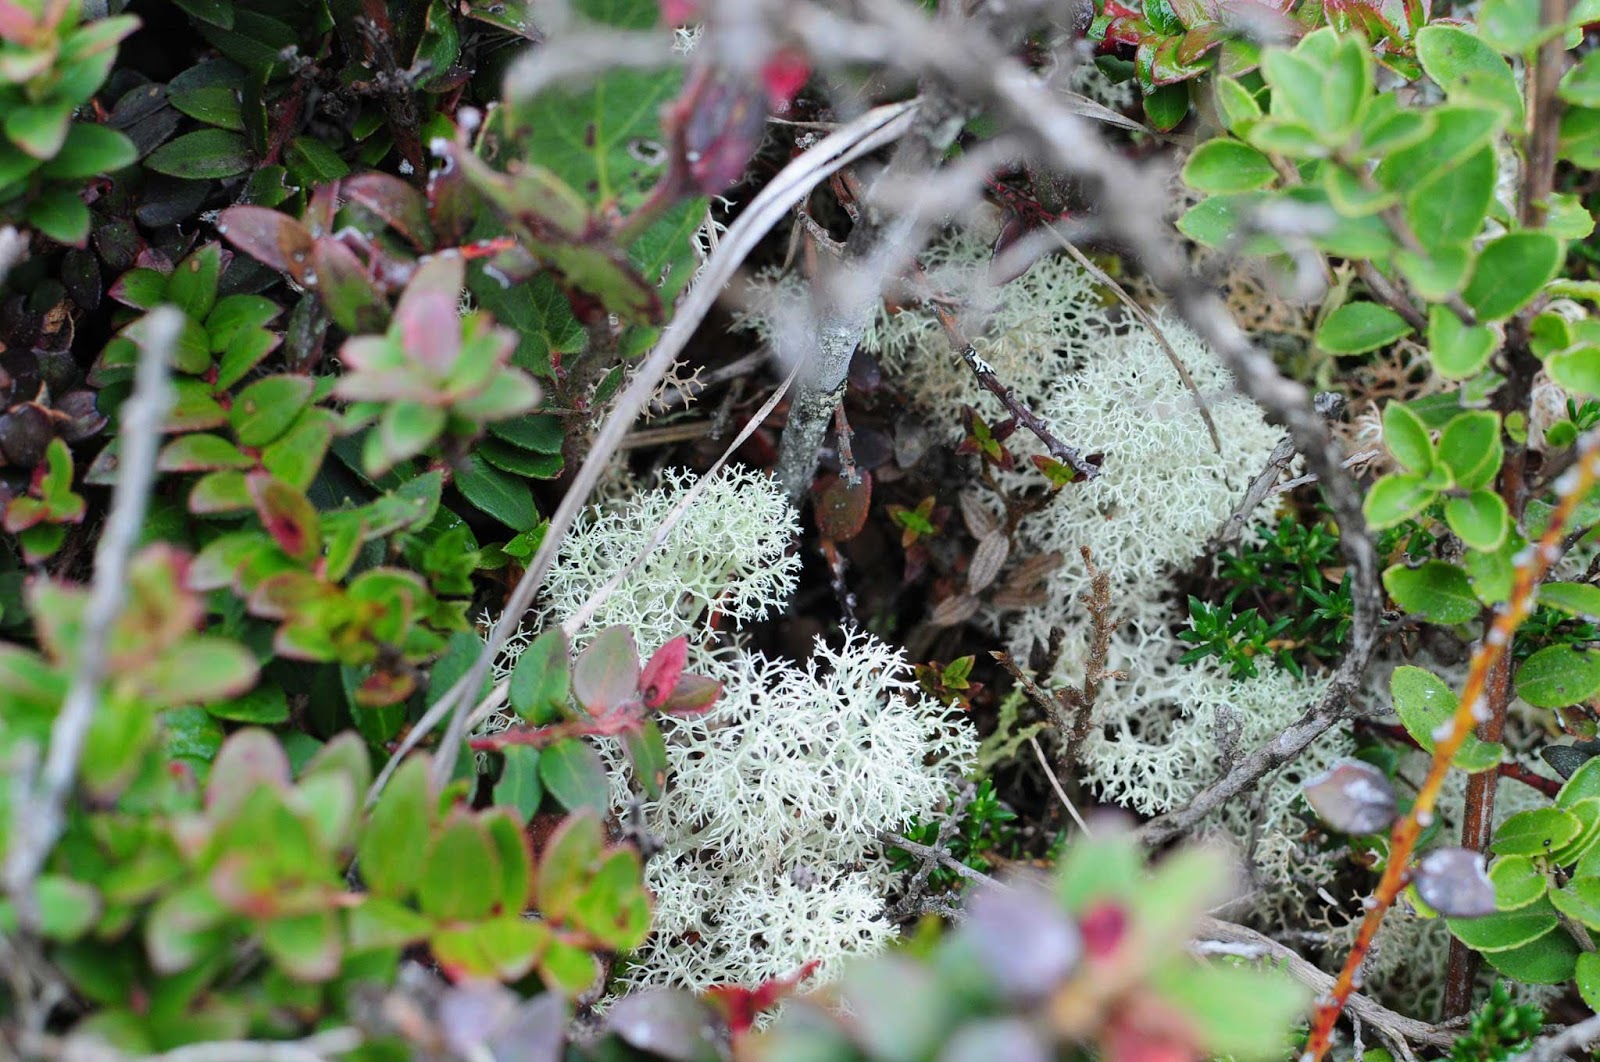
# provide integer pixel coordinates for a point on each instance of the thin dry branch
(39, 821)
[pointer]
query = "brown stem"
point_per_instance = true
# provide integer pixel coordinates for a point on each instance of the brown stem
(1087, 467)
(1544, 117)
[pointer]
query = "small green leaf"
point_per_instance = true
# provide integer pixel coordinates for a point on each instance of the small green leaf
(575, 775)
(1576, 369)
(540, 680)
(519, 786)
(1468, 70)
(1236, 105)
(1559, 675)
(1581, 85)
(1458, 350)
(208, 153)
(1407, 438)
(265, 409)
(1223, 166)
(306, 947)
(1480, 520)
(500, 494)
(1424, 703)
(1395, 499)
(1547, 960)
(567, 863)
(1434, 589)
(1510, 271)
(1502, 932)
(1518, 881)
(457, 881)
(1536, 832)
(1359, 327)
(1470, 447)
(59, 212)
(647, 752)
(395, 839)
(1576, 599)
(1587, 976)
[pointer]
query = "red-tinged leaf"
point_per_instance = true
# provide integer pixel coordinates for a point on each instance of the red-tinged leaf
(661, 674)
(693, 695)
(385, 687)
(248, 758)
(396, 202)
(784, 74)
(270, 237)
(742, 1006)
(351, 297)
(605, 676)
(426, 316)
(680, 12)
(718, 123)
(288, 516)
(1200, 40)
(842, 506)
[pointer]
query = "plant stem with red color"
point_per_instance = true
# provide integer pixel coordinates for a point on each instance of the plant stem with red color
(1496, 642)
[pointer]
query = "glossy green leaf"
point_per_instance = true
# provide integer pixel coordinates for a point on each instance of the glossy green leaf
(1359, 327)
(209, 153)
(1559, 675)
(540, 680)
(1435, 589)
(1536, 832)
(1224, 165)
(1518, 882)
(500, 494)
(1471, 448)
(1510, 271)
(1425, 703)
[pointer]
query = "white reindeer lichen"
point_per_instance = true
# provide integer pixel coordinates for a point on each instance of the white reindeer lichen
(775, 797)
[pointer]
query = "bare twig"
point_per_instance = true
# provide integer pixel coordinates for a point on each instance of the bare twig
(1277, 463)
(936, 855)
(40, 820)
(1055, 783)
(915, 889)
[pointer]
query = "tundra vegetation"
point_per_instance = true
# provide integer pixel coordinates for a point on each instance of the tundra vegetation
(776, 530)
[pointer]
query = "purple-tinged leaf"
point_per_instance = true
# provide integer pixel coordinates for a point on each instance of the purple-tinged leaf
(606, 674)
(1453, 882)
(1022, 938)
(693, 695)
(396, 202)
(352, 298)
(1352, 797)
(288, 516)
(669, 1024)
(270, 237)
